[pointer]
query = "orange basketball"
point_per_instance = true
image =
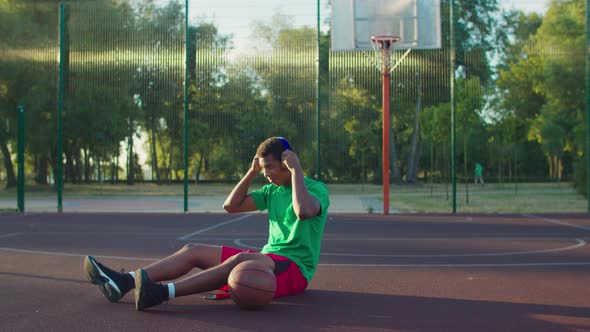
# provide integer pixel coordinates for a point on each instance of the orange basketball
(251, 285)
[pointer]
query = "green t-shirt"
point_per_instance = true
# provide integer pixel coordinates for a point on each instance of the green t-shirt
(298, 240)
(478, 170)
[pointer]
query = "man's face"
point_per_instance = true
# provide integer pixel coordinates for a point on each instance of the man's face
(274, 170)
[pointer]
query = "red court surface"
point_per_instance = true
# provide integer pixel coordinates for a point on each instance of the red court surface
(376, 273)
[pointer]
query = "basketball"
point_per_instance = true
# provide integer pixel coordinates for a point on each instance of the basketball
(251, 285)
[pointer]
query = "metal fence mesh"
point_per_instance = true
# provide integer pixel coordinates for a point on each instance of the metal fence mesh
(254, 70)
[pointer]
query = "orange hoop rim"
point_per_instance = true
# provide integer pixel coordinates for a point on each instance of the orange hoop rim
(384, 41)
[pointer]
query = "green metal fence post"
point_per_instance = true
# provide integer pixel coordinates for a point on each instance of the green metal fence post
(317, 100)
(452, 92)
(21, 159)
(60, 105)
(186, 77)
(588, 103)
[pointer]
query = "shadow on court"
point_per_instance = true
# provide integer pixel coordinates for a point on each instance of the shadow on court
(320, 310)
(394, 273)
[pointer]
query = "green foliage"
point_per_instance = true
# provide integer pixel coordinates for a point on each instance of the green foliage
(519, 101)
(540, 81)
(358, 114)
(475, 30)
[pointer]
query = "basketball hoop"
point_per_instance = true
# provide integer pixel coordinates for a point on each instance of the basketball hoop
(409, 24)
(383, 47)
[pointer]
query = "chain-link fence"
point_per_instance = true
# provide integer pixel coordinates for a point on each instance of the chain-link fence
(154, 110)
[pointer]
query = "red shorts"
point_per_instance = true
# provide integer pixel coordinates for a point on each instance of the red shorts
(289, 278)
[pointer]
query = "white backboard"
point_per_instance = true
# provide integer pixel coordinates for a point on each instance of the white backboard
(417, 22)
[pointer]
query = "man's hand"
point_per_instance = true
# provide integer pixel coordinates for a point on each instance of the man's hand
(305, 205)
(255, 167)
(239, 200)
(290, 160)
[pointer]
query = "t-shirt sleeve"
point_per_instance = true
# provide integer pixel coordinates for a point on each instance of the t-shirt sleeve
(320, 192)
(260, 197)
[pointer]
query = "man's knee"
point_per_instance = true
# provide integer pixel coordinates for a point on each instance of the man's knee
(199, 247)
(203, 256)
(248, 256)
(191, 247)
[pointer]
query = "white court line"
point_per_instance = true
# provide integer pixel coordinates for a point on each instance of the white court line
(36, 252)
(3, 236)
(239, 243)
(499, 236)
(580, 243)
(462, 265)
(66, 254)
(213, 227)
(558, 222)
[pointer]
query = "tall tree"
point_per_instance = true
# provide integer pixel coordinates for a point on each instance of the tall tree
(541, 80)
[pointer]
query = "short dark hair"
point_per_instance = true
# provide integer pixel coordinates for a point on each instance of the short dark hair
(271, 146)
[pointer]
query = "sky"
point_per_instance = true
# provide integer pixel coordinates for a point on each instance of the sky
(237, 17)
(528, 6)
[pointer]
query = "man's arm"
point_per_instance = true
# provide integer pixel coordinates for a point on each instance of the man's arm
(304, 204)
(239, 200)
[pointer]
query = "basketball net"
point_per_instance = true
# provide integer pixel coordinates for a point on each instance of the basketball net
(383, 58)
(382, 45)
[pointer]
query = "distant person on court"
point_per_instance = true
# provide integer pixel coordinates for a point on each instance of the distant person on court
(478, 173)
(297, 212)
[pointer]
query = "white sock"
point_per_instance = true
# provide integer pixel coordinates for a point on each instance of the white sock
(171, 291)
(132, 273)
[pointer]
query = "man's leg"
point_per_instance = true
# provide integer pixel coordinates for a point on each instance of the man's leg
(114, 285)
(202, 256)
(149, 294)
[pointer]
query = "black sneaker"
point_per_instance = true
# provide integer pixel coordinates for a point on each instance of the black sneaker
(112, 284)
(147, 292)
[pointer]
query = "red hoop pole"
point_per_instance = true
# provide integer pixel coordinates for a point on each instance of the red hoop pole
(384, 43)
(385, 143)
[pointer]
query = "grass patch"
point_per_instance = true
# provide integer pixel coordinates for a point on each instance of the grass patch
(494, 198)
(135, 190)
(489, 198)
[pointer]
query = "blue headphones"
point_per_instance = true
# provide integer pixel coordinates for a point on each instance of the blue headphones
(285, 143)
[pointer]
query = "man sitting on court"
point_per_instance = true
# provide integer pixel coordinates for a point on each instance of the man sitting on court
(297, 211)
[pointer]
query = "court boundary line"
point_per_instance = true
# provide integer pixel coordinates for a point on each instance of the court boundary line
(539, 238)
(557, 222)
(540, 264)
(66, 254)
(580, 243)
(187, 236)
(4, 236)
